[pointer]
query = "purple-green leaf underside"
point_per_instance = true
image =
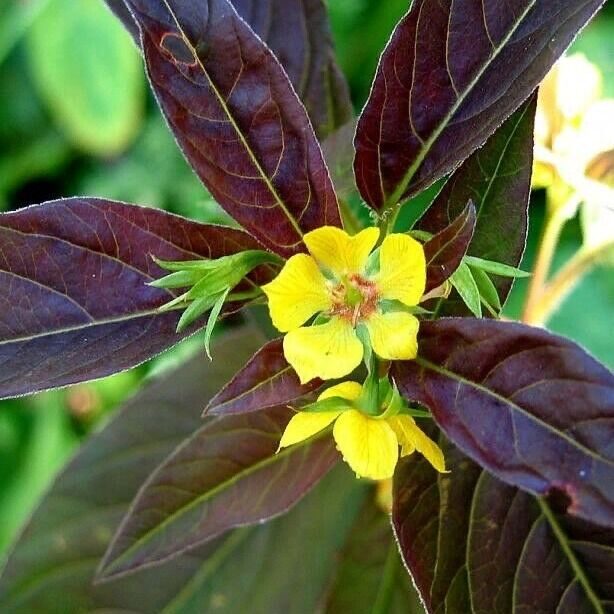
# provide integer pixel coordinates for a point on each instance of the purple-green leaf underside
(475, 544)
(227, 474)
(74, 304)
(52, 565)
(265, 381)
(497, 178)
(532, 408)
(445, 250)
(298, 33)
(237, 119)
(452, 72)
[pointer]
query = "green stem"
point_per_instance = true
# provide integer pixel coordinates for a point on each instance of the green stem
(565, 280)
(384, 593)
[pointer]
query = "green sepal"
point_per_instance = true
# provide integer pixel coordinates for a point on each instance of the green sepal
(421, 235)
(394, 305)
(213, 317)
(487, 289)
(330, 404)
(194, 310)
(495, 268)
(465, 285)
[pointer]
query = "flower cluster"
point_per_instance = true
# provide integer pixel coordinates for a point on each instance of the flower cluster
(359, 296)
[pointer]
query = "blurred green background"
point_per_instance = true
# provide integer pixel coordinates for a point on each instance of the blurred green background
(76, 118)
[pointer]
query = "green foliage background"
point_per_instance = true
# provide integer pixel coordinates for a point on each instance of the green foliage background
(76, 118)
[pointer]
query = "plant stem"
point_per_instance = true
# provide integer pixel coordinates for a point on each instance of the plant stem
(565, 280)
(551, 233)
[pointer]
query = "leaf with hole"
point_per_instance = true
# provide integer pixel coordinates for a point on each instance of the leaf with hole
(493, 549)
(237, 119)
(532, 408)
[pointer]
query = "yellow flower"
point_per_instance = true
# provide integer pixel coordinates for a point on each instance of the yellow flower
(336, 282)
(369, 444)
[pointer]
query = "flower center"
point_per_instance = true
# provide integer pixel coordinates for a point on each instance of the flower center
(354, 298)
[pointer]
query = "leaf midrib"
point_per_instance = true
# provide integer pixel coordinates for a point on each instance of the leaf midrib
(236, 127)
(109, 570)
(397, 195)
(508, 402)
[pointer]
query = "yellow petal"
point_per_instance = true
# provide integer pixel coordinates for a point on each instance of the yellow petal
(337, 251)
(369, 446)
(346, 390)
(402, 270)
(327, 351)
(411, 437)
(304, 425)
(297, 293)
(393, 335)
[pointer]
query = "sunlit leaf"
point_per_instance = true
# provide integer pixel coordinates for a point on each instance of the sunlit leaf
(265, 381)
(452, 72)
(298, 33)
(74, 304)
(532, 408)
(237, 119)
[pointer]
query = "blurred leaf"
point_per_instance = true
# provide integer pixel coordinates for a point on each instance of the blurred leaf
(52, 566)
(497, 178)
(269, 174)
(444, 251)
(152, 172)
(475, 544)
(370, 576)
(428, 110)
(16, 16)
(73, 274)
(39, 450)
(586, 314)
(265, 381)
(89, 74)
(544, 407)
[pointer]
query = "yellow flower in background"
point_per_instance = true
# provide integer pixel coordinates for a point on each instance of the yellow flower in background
(574, 146)
(369, 444)
(339, 282)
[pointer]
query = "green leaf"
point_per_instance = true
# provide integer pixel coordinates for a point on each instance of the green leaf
(487, 289)
(465, 285)
(89, 74)
(213, 317)
(495, 268)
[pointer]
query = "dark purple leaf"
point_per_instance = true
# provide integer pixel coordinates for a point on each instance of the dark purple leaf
(227, 474)
(452, 72)
(298, 33)
(445, 251)
(499, 550)
(265, 381)
(74, 304)
(498, 179)
(370, 576)
(532, 408)
(237, 119)
(52, 565)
